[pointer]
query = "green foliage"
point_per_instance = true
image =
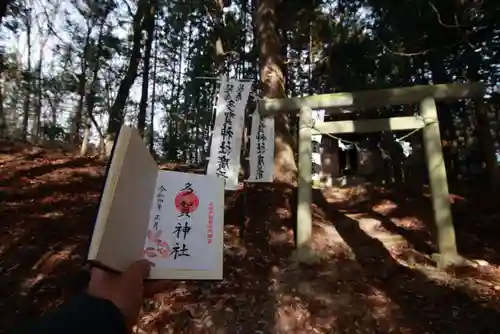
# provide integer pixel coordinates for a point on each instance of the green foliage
(354, 45)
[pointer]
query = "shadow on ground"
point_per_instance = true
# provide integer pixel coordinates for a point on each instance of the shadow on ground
(359, 286)
(44, 236)
(364, 288)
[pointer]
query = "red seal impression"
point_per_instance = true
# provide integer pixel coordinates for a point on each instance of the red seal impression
(186, 201)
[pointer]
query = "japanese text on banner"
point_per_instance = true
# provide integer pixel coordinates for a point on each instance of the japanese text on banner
(228, 131)
(261, 149)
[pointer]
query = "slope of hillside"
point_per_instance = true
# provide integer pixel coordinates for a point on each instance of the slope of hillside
(374, 274)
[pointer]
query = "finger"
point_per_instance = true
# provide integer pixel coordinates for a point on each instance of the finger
(139, 269)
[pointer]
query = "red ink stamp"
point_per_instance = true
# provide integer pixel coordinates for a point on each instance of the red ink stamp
(186, 202)
(159, 248)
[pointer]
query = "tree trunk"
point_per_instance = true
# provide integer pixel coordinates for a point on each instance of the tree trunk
(39, 97)
(82, 83)
(27, 78)
(3, 121)
(91, 92)
(272, 80)
(149, 27)
(86, 137)
(151, 138)
(3, 9)
(217, 15)
(219, 30)
(116, 112)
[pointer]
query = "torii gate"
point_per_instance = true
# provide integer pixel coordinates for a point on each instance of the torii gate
(427, 120)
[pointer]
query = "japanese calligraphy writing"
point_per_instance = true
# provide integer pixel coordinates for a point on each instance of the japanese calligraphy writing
(239, 91)
(156, 221)
(318, 116)
(227, 132)
(159, 202)
(186, 233)
(188, 188)
(182, 229)
(178, 251)
(186, 203)
(261, 149)
(154, 245)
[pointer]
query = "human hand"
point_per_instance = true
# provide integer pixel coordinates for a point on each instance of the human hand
(126, 290)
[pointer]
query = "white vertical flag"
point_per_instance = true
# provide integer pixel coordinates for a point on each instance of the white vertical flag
(261, 149)
(318, 116)
(228, 131)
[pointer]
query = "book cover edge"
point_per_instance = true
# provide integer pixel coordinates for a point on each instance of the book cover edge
(183, 274)
(93, 244)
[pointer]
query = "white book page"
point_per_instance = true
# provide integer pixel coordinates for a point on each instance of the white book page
(186, 221)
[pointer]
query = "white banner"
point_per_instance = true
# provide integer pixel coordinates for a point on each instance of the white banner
(318, 117)
(228, 131)
(261, 149)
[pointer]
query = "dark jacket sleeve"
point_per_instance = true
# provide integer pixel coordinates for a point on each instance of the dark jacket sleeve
(84, 314)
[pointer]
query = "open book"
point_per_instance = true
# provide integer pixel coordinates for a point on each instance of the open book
(173, 219)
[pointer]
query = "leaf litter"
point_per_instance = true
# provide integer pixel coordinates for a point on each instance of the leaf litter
(374, 273)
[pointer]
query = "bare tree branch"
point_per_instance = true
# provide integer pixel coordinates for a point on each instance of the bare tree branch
(129, 8)
(419, 53)
(453, 26)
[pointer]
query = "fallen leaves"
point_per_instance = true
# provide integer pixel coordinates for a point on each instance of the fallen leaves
(369, 278)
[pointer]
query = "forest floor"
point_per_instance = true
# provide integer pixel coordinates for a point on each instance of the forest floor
(375, 274)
